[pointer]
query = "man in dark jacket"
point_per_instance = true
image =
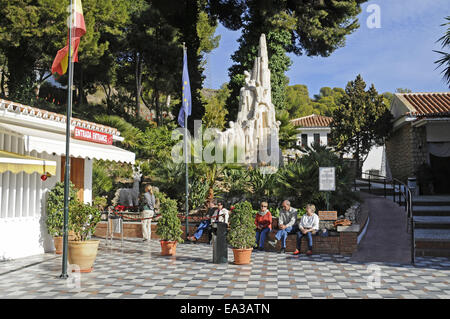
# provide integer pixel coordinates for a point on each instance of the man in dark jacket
(206, 224)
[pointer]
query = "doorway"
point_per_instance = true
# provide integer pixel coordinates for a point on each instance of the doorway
(441, 173)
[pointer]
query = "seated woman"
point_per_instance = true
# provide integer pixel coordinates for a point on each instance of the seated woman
(263, 222)
(308, 226)
(206, 224)
(221, 214)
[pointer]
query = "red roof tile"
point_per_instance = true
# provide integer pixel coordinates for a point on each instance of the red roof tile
(51, 116)
(313, 121)
(428, 104)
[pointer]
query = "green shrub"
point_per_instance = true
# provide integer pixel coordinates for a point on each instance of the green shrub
(55, 208)
(242, 227)
(83, 219)
(299, 181)
(169, 225)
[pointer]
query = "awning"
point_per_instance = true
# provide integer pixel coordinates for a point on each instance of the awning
(16, 163)
(55, 143)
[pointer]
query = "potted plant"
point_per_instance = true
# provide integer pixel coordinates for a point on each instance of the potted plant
(55, 213)
(83, 221)
(242, 233)
(169, 226)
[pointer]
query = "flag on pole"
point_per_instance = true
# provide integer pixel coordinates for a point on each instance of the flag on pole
(62, 57)
(186, 105)
(61, 60)
(78, 19)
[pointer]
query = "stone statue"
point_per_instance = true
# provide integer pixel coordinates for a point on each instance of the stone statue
(256, 128)
(129, 196)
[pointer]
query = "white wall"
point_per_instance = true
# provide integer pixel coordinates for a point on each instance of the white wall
(310, 132)
(88, 163)
(374, 160)
(22, 206)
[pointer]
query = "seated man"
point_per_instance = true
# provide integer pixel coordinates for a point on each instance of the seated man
(287, 223)
(308, 226)
(263, 222)
(206, 224)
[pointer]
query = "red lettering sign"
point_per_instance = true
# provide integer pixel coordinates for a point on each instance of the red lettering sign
(92, 136)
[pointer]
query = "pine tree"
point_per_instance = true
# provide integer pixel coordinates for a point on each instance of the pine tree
(360, 122)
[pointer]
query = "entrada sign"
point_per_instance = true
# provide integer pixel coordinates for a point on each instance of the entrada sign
(92, 136)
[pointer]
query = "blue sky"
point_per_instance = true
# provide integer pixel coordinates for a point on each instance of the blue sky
(397, 55)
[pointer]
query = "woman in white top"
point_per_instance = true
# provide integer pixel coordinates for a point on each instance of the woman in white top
(221, 215)
(308, 226)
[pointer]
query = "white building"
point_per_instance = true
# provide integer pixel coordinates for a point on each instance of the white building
(316, 129)
(27, 131)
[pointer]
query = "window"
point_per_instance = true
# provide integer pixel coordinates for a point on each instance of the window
(304, 140)
(316, 138)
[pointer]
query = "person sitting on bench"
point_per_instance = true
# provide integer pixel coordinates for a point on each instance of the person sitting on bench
(263, 223)
(308, 226)
(205, 224)
(287, 223)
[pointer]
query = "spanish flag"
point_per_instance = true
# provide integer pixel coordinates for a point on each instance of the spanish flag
(61, 61)
(78, 19)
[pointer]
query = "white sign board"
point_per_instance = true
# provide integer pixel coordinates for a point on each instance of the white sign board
(327, 180)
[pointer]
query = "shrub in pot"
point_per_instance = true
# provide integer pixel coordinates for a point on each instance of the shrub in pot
(169, 226)
(242, 232)
(83, 221)
(55, 212)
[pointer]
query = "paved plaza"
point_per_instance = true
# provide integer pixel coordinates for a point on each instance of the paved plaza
(137, 270)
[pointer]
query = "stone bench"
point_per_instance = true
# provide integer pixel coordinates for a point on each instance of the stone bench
(344, 243)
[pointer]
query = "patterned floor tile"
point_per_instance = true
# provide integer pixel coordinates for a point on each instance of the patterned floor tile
(138, 271)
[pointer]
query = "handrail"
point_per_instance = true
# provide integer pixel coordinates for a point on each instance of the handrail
(405, 192)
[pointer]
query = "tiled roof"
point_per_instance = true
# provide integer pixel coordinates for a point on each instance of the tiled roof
(55, 117)
(312, 121)
(427, 104)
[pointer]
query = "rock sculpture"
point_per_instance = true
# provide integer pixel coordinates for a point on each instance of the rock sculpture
(256, 129)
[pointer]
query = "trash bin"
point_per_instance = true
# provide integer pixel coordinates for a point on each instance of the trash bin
(219, 243)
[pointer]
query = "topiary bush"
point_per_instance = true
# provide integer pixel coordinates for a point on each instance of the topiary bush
(83, 220)
(242, 227)
(55, 208)
(169, 225)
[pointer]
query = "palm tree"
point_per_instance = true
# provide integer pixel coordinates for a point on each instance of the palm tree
(445, 59)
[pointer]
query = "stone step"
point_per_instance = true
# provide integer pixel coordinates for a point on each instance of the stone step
(430, 203)
(432, 222)
(431, 210)
(433, 252)
(431, 235)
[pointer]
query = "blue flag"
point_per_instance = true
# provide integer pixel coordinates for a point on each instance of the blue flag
(186, 105)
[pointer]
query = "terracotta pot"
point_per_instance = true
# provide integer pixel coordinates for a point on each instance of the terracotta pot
(242, 256)
(83, 254)
(58, 242)
(168, 248)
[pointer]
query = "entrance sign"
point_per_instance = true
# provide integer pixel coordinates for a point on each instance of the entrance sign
(327, 180)
(92, 136)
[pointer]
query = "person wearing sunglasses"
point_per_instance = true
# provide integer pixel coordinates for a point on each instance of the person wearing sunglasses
(263, 222)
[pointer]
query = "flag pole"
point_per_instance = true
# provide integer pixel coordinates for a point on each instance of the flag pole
(186, 158)
(64, 274)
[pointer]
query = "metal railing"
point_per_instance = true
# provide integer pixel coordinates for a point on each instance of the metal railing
(404, 198)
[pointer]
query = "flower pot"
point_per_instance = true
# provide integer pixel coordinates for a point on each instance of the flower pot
(83, 254)
(58, 242)
(242, 256)
(168, 248)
